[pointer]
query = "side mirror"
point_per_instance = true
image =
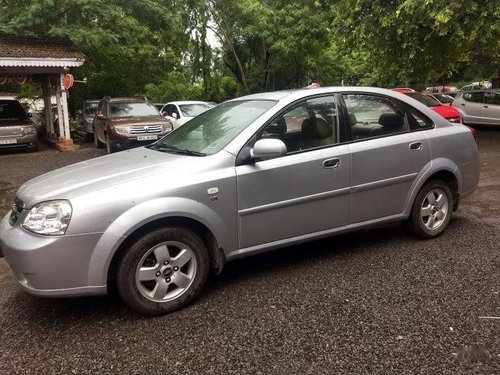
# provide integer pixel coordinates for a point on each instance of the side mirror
(175, 115)
(268, 149)
(164, 113)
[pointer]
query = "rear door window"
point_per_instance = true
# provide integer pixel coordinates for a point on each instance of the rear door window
(475, 97)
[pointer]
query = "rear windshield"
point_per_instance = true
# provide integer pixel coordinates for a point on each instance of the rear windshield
(11, 110)
(133, 110)
(424, 99)
(193, 110)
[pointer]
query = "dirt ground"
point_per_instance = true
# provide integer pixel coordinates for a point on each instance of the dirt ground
(372, 302)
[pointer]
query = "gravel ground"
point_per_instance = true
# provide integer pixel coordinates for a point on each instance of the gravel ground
(374, 302)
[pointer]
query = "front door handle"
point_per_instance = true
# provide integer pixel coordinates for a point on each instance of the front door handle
(331, 163)
(416, 146)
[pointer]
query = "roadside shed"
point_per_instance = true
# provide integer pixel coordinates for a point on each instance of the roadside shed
(43, 60)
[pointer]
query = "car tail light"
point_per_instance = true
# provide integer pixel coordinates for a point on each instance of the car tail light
(474, 134)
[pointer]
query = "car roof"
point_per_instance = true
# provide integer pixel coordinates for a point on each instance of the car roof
(295, 94)
(482, 90)
(181, 102)
(136, 99)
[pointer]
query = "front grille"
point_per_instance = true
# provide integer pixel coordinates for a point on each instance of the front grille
(17, 208)
(142, 129)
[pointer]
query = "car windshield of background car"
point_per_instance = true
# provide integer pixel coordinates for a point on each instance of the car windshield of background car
(211, 131)
(424, 99)
(132, 110)
(90, 108)
(193, 110)
(11, 110)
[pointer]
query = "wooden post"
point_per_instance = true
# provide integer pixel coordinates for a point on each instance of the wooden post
(47, 103)
(59, 109)
(64, 98)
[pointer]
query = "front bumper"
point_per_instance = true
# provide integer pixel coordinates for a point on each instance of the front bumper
(29, 141)
(49, 266)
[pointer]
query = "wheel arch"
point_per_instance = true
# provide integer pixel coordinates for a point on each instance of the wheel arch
(440, 169)
(216, 255)
(174, 211)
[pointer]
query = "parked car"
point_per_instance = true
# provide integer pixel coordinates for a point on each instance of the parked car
(182, 111)
(444, 99)
(88, 113)
(442, 89)
(477, 85)
(123, 123)
(479, 106)
(17, 130)
(235, 181)
(451, 114)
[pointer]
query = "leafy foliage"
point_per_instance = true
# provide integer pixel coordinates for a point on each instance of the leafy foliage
(161, 48)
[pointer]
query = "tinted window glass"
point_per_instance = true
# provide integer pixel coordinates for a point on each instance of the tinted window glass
(373, 116)
(11, 110)
(193, 110)
(211, 131)
(476, 97)
(132, 110)
(90, 108)
(492, 98)
(424, 99)
(309, 124)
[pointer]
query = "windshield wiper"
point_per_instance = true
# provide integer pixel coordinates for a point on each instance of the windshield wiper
(176, 150)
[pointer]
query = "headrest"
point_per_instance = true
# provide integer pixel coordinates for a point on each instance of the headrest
(352, 119)
(316, 128)
(277, 127)
(391, 120)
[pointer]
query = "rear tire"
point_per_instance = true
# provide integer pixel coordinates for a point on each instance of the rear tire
(431, 211)
(163, 271)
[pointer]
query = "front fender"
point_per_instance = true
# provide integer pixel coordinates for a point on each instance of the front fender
(142, 214)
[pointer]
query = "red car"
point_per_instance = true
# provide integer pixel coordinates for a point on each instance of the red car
(449, 113)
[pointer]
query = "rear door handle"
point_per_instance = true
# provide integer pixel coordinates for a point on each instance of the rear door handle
(416, 146)
(331, 163)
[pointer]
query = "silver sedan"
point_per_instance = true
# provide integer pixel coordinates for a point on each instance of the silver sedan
(254, 174)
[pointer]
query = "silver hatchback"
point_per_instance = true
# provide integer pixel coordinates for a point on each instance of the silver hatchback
(481, 107)
(253, 174)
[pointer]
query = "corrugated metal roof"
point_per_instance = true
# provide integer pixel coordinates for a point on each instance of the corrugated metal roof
(38, 51)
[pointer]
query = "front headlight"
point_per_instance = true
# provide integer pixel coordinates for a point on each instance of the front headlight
(49, 218)
(29, 130)
(168, 127)
(122, 129)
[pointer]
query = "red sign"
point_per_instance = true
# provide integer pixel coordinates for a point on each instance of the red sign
(68, 81)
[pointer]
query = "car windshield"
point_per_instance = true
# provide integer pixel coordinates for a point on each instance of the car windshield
(424, 99)
(211, 131)
(194, 109)
(132, 110)
(11, 110)
(90, 108)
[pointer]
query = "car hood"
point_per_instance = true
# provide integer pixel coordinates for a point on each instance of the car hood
(446, 111)
(103, 172)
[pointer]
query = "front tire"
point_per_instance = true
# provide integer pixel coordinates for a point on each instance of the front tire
(431, 211)
(163, 271)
